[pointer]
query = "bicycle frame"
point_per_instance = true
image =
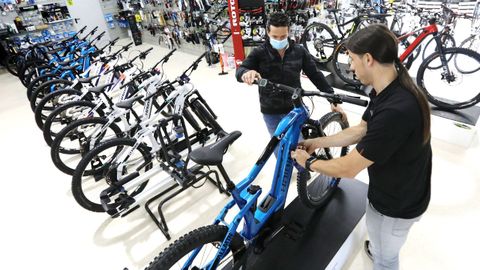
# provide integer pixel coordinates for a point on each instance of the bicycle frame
(426, 31)
(120, 113)
(356, 22)
(76, 113)
(146, 133)
(245, 195)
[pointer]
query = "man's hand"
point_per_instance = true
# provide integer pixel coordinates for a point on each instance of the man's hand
(250, 76)
(300, 156)
(337, 108)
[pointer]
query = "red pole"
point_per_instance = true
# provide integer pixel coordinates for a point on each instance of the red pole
(236, 35)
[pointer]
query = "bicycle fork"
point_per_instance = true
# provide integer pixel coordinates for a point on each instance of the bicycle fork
(446, 74)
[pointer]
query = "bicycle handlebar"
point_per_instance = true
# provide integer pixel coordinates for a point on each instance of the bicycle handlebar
(332, 98)
(96, 38)
(94, 30)
(165, 58)
(142, 55)
(129, 64)
(193, 66)
(80, 31)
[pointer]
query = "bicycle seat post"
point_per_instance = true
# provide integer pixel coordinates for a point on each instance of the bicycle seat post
(230, 184)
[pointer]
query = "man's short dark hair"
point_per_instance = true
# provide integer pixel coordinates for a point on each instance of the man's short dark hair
(278, 19)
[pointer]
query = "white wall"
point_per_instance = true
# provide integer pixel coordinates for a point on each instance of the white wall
(90, 14)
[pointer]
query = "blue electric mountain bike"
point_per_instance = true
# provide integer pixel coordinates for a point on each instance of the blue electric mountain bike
(224, 243)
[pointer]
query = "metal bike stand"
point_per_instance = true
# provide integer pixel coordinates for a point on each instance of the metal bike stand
(162, 223)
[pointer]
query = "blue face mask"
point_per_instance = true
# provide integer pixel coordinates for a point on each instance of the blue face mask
(279, 44)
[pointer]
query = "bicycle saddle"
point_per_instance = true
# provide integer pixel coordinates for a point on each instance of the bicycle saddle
(99, 89)
(213, 154)
(88, 80)
(128, 103)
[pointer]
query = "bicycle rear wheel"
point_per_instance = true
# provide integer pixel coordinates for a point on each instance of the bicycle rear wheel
(65, 114)
(315, 190)
(320, 41)
(75, 141)
(46, 88)
(52, 101)
(450, 87)
(208, 239)
(11, 64)
(341, 65)
(98, 170)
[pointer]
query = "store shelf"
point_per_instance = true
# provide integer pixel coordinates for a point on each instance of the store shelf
(59, 21)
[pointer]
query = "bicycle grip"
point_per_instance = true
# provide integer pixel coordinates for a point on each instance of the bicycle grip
(285, 88)
(143, 54)
(82, 30)
(353, 100)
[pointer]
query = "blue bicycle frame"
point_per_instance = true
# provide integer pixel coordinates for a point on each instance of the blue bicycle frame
(245, 196)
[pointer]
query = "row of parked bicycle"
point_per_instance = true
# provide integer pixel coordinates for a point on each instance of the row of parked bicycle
(447, 71)
(129, 136)
(113, 126)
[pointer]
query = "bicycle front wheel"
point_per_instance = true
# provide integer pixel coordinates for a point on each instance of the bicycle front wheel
(447, 42)
(208, 239)
(315, 190)
(455, 84)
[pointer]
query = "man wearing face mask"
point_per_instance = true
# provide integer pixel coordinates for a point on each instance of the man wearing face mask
(280, 60)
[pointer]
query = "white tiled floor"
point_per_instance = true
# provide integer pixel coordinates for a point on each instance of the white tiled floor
(43, 227)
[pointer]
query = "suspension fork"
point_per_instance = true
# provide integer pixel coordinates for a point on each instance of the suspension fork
(441, 51)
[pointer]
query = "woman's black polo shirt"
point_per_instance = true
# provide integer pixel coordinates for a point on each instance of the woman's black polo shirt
(400, 175)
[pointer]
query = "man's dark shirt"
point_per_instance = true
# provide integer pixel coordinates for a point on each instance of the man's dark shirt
(400, 175)
(267, 61)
